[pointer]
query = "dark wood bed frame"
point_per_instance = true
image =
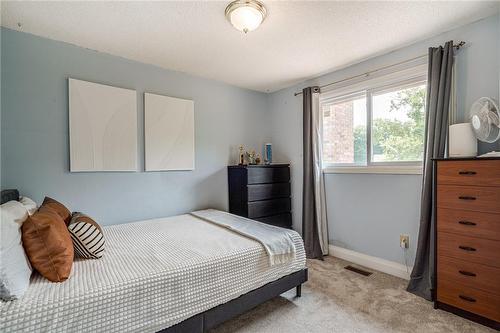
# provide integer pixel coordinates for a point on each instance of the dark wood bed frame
(211, 318)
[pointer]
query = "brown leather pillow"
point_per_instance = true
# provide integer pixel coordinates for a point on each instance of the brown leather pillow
(48, 244)
(59, 208)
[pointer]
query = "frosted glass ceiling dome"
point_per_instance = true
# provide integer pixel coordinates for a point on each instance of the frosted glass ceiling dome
(246, 15)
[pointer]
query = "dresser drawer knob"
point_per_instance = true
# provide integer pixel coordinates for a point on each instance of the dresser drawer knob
(467, 273)
(467, 223)
(470, 173)
(467, 248)
(467, 298)
(466, 197)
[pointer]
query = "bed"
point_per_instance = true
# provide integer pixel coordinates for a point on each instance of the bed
(176, 274)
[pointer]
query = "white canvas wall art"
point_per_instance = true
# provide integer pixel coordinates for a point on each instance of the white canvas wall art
(102, 127)
(169, 133)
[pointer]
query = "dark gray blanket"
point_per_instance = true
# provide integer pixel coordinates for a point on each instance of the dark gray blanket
(9, 195)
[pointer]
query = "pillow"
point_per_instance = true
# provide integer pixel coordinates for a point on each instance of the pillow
(29, 204)
(15, 269)
(88, 239)
(48, 244)
(59, 208)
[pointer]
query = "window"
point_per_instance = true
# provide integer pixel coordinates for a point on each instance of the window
(378, 127)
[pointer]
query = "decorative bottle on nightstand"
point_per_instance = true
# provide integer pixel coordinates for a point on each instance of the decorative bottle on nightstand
(268, 154)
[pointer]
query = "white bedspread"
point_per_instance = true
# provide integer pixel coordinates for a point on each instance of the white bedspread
(153, 275)
(277, 242)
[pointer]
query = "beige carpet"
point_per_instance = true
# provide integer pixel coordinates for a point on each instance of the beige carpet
(337, 300)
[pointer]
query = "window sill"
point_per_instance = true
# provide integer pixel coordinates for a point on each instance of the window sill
(387, 170)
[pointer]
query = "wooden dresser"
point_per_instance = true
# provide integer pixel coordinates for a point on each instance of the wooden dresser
(468, 238)
(261, 192)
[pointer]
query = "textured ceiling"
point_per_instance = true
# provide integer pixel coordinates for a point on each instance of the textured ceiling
(297, 41)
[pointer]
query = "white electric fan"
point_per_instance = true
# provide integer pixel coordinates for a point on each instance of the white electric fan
(485, 121)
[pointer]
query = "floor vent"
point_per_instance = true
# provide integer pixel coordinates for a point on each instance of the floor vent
(358, 270)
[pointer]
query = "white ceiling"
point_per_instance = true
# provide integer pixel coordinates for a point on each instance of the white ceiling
(297, 41)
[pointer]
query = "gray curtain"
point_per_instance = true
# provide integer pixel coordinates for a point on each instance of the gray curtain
(310, 230)
(439, 84)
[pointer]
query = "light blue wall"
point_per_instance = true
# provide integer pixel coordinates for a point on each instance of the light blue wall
(34, 125)
(367, 213)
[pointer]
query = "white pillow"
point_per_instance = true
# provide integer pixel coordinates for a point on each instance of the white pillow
(15, 269)
(29, 204)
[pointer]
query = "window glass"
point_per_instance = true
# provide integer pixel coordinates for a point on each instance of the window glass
(398, 122)
(344, 131)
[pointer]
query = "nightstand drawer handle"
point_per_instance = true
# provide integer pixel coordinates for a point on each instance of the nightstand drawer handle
(467, 172)
(467, 298)
(467, 248)
(467, 223)
(465, 197)
(467, 273)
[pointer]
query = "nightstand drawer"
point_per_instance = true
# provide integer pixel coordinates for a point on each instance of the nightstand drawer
(477, 172)
(482, 199)
(268, 207)
(476, 250)
(268, 191)
(268, 175)
(474, 275)
(469, 223)
(281, 220)
(469, 299)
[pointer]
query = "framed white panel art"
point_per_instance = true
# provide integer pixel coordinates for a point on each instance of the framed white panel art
(169, 133)
(102, 127)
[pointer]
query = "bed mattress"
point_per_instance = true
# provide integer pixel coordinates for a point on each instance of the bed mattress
(154, 274)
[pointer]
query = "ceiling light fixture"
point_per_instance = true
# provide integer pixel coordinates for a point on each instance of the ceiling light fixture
(245, 15)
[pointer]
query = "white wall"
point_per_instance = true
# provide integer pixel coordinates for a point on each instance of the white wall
(368, 212)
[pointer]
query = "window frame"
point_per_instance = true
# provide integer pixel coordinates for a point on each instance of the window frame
(409, 78)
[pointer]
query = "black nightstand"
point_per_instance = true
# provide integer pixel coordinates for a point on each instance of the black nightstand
(261, 192)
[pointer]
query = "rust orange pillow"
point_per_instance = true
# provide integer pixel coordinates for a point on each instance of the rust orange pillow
(59, 208)
(48, 244)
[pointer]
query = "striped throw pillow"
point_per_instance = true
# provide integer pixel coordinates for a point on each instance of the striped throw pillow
(87, 236)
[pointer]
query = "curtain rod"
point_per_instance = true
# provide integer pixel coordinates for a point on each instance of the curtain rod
(457, 47)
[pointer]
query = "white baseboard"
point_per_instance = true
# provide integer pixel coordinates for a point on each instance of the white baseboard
(379, 264)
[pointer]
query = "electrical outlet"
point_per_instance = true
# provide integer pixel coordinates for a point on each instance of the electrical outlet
(404, 241)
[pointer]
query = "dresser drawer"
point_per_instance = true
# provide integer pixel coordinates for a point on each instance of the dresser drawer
(469, 299)
(268, 207)
(268, 175)
(469, 223)
(474, 275)
(477, 250)
(268, 191)
(482, 199)
(477, 172)
(280, 220)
